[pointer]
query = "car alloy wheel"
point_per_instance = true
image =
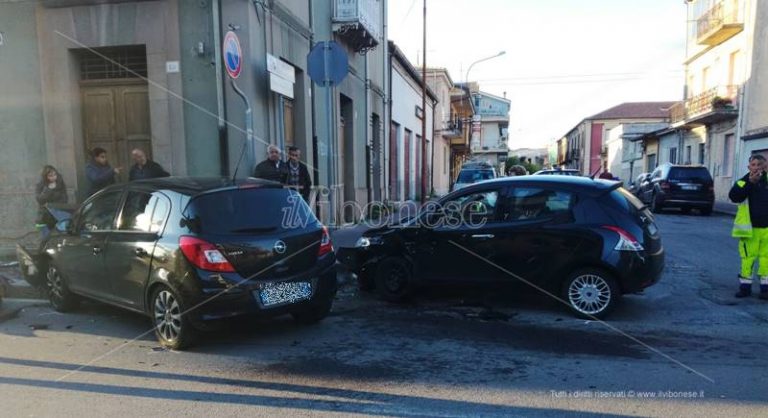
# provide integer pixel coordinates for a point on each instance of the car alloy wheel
(58, 293)
(167, 315)
(171, 321)
(591, 293)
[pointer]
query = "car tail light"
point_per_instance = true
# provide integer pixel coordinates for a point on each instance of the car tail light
(664, 185)
(627, 241)
(712, 188)
(204, 255)
(325, 244)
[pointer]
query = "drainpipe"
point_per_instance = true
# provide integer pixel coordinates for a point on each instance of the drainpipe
(315, 157)
(369, 169)
(387, 110)
(221, 109)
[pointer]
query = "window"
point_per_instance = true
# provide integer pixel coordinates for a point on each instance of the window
(701, 153)
(535, 203)
(473, 208)
(137, 212)
(99, 213)
(727, 156)
(687, 154)
(651, 162)
(143, 212)
(673, 155)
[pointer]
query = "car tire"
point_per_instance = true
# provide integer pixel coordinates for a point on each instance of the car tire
(394, 279)
(706, 211)
(61, 298)
(591, 293)
(655, 205)
(314, 313)
(173, 328)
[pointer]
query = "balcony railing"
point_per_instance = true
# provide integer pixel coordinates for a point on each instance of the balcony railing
(719, 23)
(714, 105)
(358, 23)
(453, 129)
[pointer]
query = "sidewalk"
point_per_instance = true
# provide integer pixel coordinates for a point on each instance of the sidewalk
(727, 208)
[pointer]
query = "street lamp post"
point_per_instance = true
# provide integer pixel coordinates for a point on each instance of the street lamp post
(466, 83)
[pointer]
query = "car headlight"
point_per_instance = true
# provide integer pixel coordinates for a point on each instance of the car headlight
(365, 242)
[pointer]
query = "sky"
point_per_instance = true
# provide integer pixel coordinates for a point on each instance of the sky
(565, 60)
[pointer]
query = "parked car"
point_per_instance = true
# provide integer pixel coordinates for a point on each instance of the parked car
(189, 251)
(587, 241)
(472, 173)
(636, 186)
(679, 186)
(559, 172)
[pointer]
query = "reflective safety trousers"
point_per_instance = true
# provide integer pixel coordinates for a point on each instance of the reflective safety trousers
(752, 249)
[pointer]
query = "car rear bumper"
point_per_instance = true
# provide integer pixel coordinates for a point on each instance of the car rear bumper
(241, 297)
(700, 201)
(639, 270)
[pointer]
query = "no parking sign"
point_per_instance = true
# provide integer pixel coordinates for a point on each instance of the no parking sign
(233, 55)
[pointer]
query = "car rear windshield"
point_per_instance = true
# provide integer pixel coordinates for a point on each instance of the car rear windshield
(249, 211)
(692, 173)
(472, 176)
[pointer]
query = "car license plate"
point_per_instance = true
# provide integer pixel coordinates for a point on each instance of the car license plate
(689, 186)
(272, 294)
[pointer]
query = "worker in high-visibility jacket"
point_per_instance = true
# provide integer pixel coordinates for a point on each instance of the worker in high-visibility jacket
(751, 225)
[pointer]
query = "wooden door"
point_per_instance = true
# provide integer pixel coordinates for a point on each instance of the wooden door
(116, 118)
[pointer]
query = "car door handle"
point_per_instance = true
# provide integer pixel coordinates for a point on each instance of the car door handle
(140, 252)
(482, 236)
(96, 250)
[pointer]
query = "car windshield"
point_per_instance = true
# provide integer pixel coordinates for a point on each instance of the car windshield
(473, 176)
(249, 211)
(693, 173)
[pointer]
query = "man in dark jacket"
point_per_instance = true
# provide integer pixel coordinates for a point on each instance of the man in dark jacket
(273, 168)
(753, 188)
(144, 167)
(98, 171)
(298, 174)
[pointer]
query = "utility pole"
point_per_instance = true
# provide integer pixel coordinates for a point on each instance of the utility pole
(424, 111)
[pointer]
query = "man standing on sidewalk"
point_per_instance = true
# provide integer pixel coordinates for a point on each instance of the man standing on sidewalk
(752, 189)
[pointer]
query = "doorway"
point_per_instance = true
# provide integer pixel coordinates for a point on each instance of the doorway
(115, 103)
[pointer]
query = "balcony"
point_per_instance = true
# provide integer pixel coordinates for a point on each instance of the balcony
(452, 129)
(715, 105)
(719, 23)
(358, 23)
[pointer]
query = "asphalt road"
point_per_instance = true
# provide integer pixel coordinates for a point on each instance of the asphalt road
(685, 347)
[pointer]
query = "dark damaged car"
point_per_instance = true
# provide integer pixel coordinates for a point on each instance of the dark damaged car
(585, 241)
(189, 251)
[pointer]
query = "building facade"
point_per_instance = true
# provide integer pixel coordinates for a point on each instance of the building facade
(409, 147)
(149, 74)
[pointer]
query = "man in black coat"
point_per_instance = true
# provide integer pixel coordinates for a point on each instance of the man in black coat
(273, 168)
(298, 174)
(145, 168)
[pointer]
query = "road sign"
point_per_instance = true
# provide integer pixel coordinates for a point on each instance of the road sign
(327, 63)
(233, 55)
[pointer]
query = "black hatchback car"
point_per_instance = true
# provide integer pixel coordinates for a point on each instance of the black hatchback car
(187, 251)
(586, 241)
(679, 186)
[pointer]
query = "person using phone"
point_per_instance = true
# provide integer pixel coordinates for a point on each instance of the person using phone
(752, 230)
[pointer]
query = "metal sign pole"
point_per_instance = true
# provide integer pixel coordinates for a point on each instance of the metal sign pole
(248, 122)
(327, 83)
